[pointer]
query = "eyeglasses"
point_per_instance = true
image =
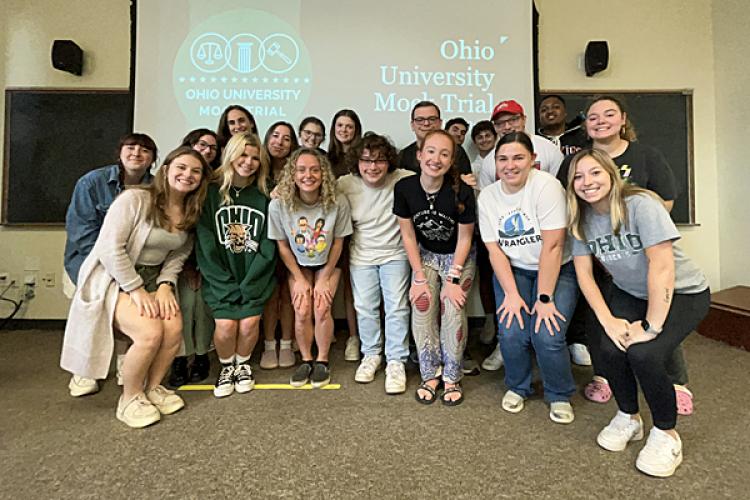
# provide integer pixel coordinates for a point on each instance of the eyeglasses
(308, 133)
(426, 119)
(380, 162)
(513, 120)
(205, 145)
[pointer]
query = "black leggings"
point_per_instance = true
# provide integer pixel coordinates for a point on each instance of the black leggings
(646, 362)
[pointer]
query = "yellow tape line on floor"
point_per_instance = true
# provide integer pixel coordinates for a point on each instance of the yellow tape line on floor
(329, 387)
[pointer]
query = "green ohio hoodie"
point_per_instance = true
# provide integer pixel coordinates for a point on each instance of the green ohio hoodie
(235, 256)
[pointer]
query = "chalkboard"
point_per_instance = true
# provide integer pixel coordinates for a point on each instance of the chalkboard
(53, 137)
(663, 120)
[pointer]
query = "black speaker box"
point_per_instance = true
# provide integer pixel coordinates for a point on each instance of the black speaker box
(596, 58)
(67, 56)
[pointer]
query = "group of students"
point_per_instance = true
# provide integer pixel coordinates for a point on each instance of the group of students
(270, 220)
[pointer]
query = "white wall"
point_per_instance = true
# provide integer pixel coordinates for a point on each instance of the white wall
(732, 79)
(102, 29)
(664, 45)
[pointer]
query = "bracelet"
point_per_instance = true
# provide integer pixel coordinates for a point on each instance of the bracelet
(419, 282)
(458, 267)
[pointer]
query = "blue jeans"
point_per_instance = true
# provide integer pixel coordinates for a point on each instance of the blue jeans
(551, 350)
(392, 279)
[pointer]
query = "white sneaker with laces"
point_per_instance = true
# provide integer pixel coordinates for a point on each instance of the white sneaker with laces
(138, 412)
(225, 383)
(661, 456)
(81, 386)
(494, 361)
(244, 380)
(367, 368)
(619, 432)
(351, 352)
(166, 401)
(579, 354)
(395, 377)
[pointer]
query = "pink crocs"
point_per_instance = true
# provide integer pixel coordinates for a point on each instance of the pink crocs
(684, 400)
(598, 390)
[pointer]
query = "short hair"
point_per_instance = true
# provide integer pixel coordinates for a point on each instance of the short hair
(192, 138)
(550, 96)
(424, 104)
(372, 142)
(137, 139)
(456, 121)
(521, 138)
(482, 126)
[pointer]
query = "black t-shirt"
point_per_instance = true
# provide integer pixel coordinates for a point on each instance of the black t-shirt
(407, 158)
(571, 142)
(641, 165)
(436, 228)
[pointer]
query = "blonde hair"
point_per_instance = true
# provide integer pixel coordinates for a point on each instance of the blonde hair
(160, 192)
(618, 194)
(225, 173)
(289, 192)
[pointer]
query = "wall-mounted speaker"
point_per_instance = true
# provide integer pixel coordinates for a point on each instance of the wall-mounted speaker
(67, 56)
(596, 58)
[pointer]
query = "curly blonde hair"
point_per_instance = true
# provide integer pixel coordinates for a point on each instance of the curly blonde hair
(288, 191)
(225, 173)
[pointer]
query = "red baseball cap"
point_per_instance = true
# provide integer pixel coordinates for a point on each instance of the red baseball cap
(510, 106)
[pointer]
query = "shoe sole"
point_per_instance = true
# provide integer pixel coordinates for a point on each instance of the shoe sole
(322, 383)
(169, 410)
(351, 358)
(491, 368)
(660, 473)
(518, 408)
(396, 391)
(298, 383)
(242, 389)
(363, 380)
(77, 393)
(607, 445)
(269, 367)
(561, 420)
(223, 393)
(139, 425)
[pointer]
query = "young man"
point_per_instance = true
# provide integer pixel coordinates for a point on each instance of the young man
(484, 137)
(457, 128)
(570, 138)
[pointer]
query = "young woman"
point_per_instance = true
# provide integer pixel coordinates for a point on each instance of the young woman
(236, 259)
(278, 145)
(127, 284)
(197, 322)
(235, 120)
(610, 129)
(436, 214)
(523, 221)
(312, 133)
(346, 130)
(658, 297)
(310, 251)
(378, 262)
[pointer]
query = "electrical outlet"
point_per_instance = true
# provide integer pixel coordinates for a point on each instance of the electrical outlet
(4, 279)
(49, 280)
(30, 279)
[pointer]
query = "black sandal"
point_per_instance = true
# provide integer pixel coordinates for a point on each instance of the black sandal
(455, 402)
(433, 392)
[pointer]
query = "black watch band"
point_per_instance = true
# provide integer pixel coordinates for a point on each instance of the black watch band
(544, 298)
(454, 279)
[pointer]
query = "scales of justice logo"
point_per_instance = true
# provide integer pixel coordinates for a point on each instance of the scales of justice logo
(248, 57)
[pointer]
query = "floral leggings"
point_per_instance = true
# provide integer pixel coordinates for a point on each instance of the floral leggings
(440, 329)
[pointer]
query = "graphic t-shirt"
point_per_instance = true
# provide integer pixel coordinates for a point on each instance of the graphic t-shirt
(624, 256)
(377, 237)
(548, 159)
(435, 217)
(515, 221)
(309, 230)
(641, 165)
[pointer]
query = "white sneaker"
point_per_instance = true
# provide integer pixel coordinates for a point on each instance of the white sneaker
(118, 371)
(244, 380)
(81, 386)
(494, 361)
(395, 377)
(619, 432)
(512, 402)
(351, 353)
(661, 456)
(138, 412)
(579, 354)
(367, 368)
(166, 401)
(225, 382)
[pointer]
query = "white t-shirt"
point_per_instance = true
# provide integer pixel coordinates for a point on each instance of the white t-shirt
(515, 221)
(377, 238)
(548, 159)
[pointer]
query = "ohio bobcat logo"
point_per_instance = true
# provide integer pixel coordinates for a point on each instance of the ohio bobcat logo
(239, 228)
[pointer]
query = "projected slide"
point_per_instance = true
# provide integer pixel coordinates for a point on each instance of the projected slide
(286, 60)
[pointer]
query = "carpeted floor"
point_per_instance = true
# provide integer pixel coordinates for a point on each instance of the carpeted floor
(355, 442)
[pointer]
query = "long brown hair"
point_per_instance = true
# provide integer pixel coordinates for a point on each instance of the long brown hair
(627, 131)
(160, 193)
(453, 174)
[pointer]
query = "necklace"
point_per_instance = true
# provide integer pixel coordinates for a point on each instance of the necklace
(237, 190)
(431, 199)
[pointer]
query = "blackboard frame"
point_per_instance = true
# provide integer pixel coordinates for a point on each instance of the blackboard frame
(684, 212)
(95, 145)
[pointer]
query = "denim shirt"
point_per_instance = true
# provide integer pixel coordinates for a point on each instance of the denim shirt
(92, 196)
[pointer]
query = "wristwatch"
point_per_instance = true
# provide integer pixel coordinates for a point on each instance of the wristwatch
(544, 298)
(454, 279)
(647, 327)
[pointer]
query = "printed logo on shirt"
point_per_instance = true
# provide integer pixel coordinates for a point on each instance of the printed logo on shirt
(625, 172)
(239, 228)
(310, 241)
(433, 225)
(610, 248)
(516, 229)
